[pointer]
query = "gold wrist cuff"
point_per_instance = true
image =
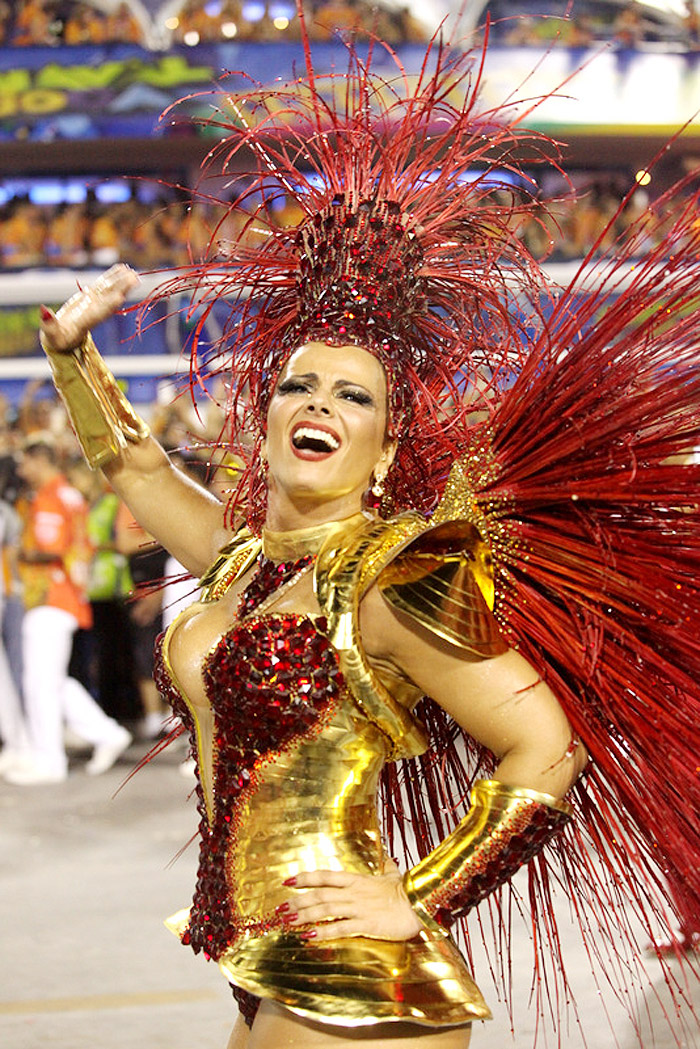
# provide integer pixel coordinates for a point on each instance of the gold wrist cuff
(503, 829)
(100, 414)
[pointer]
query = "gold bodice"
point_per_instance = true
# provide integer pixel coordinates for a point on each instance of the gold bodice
(290, 752)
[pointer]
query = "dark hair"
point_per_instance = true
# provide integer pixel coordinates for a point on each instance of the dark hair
(43, 449)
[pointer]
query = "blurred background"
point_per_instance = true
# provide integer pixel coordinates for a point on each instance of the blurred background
(95, 168)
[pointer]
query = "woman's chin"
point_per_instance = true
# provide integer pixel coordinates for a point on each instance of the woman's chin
(336, 502)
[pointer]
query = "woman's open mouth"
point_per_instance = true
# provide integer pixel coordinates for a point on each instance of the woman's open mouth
(310, 441)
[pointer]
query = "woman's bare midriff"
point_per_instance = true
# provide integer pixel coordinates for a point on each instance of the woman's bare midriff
(276, 1026)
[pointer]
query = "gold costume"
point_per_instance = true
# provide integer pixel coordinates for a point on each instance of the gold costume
(310, 803)
(293, 733)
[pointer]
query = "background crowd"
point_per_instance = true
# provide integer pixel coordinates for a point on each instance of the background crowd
(50, 22)
(623, 25)
(84, 591)
(151, 233)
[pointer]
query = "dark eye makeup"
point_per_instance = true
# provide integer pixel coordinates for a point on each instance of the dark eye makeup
(355, 394)
(293, 385)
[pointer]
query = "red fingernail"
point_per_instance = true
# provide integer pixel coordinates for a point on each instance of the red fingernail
(291, 917)
(289, 881)
(308, 934)
(282, 908)
(46, 315)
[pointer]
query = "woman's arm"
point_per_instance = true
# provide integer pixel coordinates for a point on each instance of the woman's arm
(502, 704)
(186, 519)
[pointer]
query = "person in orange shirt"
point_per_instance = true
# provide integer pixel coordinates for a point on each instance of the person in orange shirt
(53, 559)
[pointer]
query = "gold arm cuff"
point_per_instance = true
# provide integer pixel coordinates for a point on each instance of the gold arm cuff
(100, 414)
(503, 829)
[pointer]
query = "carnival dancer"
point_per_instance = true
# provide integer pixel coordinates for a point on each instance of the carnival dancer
(397, 545)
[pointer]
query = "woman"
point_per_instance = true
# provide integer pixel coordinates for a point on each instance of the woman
(326, 443)
(364, 344)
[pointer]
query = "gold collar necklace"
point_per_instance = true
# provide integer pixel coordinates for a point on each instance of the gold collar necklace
(289, 546)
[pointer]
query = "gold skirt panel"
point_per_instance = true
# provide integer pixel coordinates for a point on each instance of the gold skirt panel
(358, 981)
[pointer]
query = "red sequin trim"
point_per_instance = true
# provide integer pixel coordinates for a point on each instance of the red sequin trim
(271, 681)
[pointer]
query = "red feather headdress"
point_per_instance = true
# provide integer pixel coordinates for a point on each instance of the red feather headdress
(407, 245)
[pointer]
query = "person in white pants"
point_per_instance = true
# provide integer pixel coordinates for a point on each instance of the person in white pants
(54, 547)
(13, 729)
(54, 699)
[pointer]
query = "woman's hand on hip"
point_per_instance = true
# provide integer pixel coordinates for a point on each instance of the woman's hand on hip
(330, 904)
(66, 329)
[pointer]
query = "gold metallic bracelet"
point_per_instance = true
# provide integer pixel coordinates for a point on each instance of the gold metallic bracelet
(503, 829)
(100, 414)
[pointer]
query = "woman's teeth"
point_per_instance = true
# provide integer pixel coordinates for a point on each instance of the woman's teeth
(315, 440)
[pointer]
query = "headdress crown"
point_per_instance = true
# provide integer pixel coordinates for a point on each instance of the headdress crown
(359, 273)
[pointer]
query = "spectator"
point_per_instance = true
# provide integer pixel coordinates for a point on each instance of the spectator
(34, 24)
(85, 25)
(691, 22)
(23, 234)
(112, 678)
(13, 606)
(53, 560)
(335, 15)
(103, 237)
(13, 728)
(66, 235)
(123, 27)
(5, 19)
(628, 27)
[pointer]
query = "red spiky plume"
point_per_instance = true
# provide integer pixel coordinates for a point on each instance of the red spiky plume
(403, 246)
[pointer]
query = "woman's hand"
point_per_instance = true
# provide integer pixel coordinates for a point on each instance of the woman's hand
(336, 903)
(67, 328)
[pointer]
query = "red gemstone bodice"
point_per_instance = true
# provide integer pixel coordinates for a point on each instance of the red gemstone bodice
(270, 681)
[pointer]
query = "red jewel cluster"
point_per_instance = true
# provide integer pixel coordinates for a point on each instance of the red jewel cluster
(270, 575)
(248, 1004)
(358, 276)
(168, 691)
(270, 681)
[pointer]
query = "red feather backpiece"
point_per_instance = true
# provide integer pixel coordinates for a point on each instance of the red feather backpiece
(583, 481)
(590, 397)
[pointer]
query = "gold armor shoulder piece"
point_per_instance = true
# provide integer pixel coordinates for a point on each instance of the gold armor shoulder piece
(443, 579)
(234, 559)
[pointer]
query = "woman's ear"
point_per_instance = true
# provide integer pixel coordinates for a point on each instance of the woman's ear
(389, 453)
(383, 465)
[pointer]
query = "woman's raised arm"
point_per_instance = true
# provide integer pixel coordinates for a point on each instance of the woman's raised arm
(186, 519)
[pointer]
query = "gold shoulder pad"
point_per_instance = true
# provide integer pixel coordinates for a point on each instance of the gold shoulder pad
(443, 579)
(234, 559)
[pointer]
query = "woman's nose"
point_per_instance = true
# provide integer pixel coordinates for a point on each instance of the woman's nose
(317, 403)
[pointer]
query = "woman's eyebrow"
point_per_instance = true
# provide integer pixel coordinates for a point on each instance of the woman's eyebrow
(351, 382)
(307, 376)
